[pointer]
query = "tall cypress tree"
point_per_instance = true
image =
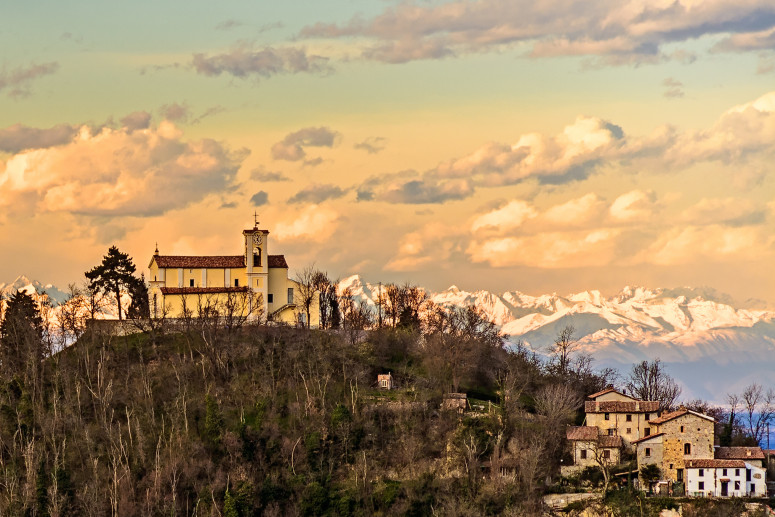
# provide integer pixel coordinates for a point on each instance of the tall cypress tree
(114, 275)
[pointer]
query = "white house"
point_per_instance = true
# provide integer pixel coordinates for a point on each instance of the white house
(724, 478)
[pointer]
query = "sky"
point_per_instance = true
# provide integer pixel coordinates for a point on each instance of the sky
(540, 146)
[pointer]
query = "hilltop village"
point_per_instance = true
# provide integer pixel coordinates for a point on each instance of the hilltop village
(229, 388)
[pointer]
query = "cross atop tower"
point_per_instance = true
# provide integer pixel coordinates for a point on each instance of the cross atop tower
(255, 219)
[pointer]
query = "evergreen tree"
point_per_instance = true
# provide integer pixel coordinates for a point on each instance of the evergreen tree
(139, 307)
(21, 334)
(114, 275)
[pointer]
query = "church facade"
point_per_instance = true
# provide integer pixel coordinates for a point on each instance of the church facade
(253, 285)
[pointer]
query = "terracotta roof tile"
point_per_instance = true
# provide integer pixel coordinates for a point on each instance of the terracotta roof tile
(621, 406)
(603, 392)
(191, 262)
(675, 414)
(739, 453)
(714, 464)
(583, 432)
(277, 261)
(649, 437)
(202, 290)
(607, 442)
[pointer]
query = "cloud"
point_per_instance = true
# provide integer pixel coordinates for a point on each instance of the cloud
(18, 82)
(726, 211)
(576, 212)
(431, 245)
(313, 223)
(419, 192)
(317, 194)
(713, 243)
(371, 145)
(116, 171)
(19, 138)
(673, 89)
(634, 206)
(229, 24)
(548, 249)
(291, 148)
(136, 120)
(617, 32)
(259, 198)
(176, 112)
(261, 174)
(743, 136)
(243, 61)
(511, 216)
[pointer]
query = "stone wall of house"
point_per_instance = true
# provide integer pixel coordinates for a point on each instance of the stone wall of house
(697, 431)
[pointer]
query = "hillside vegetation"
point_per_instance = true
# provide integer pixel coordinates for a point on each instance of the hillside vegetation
(205, 419)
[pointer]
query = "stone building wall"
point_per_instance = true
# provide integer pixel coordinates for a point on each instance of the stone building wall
(697, 431)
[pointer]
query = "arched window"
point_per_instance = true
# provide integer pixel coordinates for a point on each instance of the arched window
(256, 257)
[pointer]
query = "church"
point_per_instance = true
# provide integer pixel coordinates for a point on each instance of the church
(253, 285)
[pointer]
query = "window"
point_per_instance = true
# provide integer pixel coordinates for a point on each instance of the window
(647, 453)
(737, 485)
(629, 430)
(647, 431)
(629, 418)
(724, 472)
(154, 305)
(748, 474)
(737, 472)
(679, 474)
(607, 416)
(648, 417)
(607, 454)
(270, 298)
(583, 454)
(701, 472)
(682, 428)
(384, 383)
(257, 257)
(236, 282)
(191, 282)
(290, 295)
(701, 485)
(612, 432)
(687, 448)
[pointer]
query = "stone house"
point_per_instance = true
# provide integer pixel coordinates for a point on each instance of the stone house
(617, 414)
(589, 448)
(724, 478)
(678, 437)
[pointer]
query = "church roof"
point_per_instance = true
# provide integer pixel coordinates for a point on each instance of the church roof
(277, 261)
(212, 262)
(191, 262)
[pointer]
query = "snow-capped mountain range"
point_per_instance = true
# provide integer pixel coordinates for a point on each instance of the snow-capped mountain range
(709, 343)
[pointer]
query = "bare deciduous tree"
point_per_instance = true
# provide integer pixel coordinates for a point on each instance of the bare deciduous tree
(758, 409)
(650, 381)
(565, 344)
(307, 280)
